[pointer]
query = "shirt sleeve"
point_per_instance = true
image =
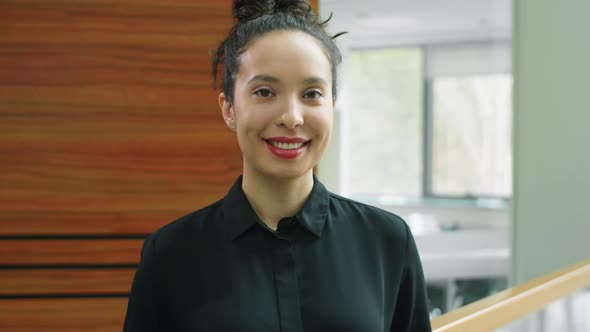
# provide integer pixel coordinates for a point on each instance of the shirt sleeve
(411, 313)
(142, 314)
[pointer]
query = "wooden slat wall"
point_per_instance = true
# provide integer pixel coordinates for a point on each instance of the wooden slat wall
(62, 314)
(62, 252)
(109, 124)
(109, 129)
(65, 281)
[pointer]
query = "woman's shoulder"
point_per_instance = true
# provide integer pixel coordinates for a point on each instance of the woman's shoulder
(190, 228)
(366, 215)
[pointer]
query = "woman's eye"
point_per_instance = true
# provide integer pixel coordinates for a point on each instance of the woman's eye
(312, 94)
(264, 92)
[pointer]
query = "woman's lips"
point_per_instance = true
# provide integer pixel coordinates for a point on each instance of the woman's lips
(286, 147)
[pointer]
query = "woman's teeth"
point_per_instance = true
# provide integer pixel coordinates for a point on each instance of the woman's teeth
(286, 146)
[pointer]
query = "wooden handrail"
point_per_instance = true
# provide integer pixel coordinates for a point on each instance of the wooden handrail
(500, 309)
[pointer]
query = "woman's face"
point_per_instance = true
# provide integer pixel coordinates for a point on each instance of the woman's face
(282, 107)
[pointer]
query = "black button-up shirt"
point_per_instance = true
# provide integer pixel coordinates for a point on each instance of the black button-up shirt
(337, 265)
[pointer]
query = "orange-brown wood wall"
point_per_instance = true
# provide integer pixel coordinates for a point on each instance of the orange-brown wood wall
(109, 129)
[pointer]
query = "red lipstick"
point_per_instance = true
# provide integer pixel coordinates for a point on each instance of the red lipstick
(286, 153)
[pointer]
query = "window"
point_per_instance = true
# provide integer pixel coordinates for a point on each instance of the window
(383, 135)
(427, 122)
(471, 150)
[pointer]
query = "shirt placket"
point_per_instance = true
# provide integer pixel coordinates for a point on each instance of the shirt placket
(285, 276)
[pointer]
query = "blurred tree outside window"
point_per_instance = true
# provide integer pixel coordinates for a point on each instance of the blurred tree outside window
(471, 151)
(385, 132)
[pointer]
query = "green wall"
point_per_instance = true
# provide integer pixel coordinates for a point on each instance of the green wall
(551, 206)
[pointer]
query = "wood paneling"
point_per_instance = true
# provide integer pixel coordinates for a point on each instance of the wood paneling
(43, 282)
(108, 120)
(78, 252)
(109, 129)
(63, 315)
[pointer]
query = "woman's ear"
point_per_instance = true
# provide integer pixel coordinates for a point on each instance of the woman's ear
(227, 111)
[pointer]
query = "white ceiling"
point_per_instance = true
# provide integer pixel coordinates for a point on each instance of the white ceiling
(418, 21)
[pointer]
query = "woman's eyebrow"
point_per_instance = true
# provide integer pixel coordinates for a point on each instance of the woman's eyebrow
(264, 78)
(315, 80)
(273, 79)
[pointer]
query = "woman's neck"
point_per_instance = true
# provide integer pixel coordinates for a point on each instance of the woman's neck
(274, 198)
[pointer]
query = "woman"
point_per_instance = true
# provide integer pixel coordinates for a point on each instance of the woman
(279, 252)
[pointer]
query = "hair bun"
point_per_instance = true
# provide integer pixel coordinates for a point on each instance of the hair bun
(297, 8)
(246, 10)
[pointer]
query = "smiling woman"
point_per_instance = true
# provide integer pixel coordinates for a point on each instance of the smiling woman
(279, 252)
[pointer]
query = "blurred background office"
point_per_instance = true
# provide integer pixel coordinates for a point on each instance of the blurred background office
(467, 118)
(471, 124)
(424, 129)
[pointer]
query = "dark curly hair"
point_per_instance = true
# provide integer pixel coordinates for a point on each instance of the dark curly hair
(255, 18)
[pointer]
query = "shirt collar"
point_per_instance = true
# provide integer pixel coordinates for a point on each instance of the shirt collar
(239, 216)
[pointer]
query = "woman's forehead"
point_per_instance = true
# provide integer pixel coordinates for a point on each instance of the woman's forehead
(285, 55)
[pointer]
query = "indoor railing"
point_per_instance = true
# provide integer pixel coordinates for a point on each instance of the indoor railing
(500, 309)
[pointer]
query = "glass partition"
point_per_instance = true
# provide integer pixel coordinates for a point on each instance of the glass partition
(569, 314)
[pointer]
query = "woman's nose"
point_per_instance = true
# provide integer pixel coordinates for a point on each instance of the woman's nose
(291, 114)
